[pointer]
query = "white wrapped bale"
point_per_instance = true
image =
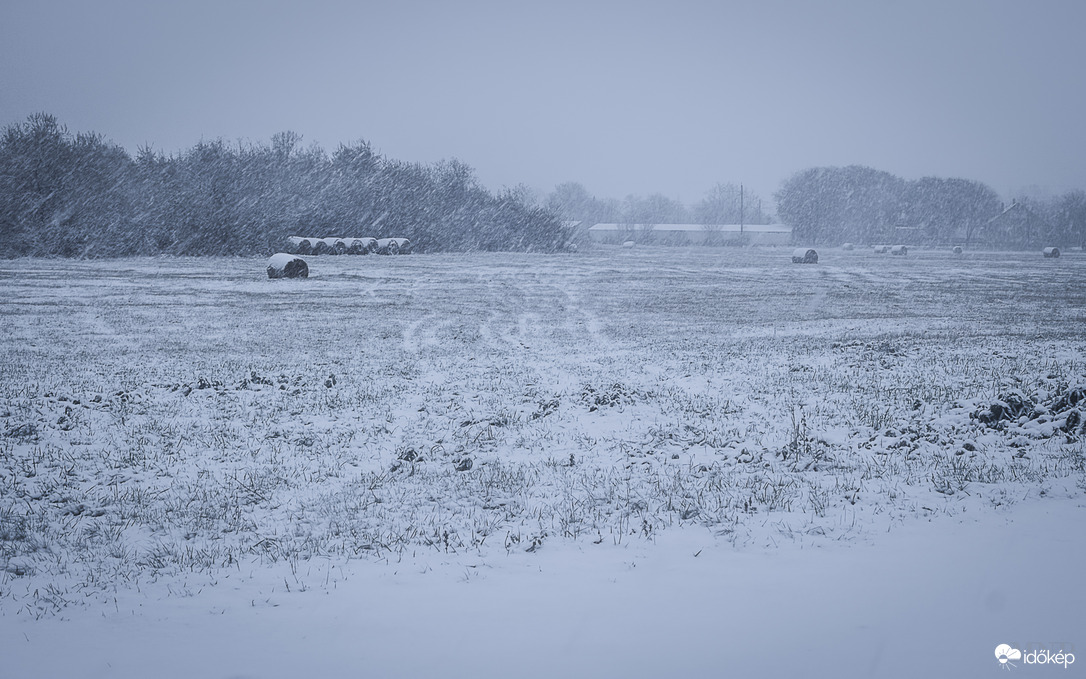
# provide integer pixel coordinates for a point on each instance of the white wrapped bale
(387, 246)
(284, 265)
(804, 256)
(1051, 253)
(361, 246)
(300, 245)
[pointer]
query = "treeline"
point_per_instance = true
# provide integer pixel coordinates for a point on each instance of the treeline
(77, 195)
(833, 205)
(723, 204)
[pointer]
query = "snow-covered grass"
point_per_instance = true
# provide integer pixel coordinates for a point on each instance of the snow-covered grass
(188, 428)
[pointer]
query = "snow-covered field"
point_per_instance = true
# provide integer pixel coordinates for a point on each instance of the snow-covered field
(644, 462)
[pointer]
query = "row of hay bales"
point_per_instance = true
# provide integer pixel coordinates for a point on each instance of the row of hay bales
(810, 256)
(901, 250)
(897, 250)
(348, 246)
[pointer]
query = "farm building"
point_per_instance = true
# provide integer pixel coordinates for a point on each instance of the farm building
(692, 234)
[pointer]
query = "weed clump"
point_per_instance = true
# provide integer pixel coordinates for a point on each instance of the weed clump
(1059, 408)
(617, 394)
(27, 431)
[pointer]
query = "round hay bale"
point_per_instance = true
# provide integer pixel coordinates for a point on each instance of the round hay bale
(847, 246)
(339, 246)
(361, 246)
(403, 245)
(958, 250)
(899, 250)
(1051, 252)
(285, 265)
(320, 246)
(881, 249)
(804, 256)
(628, 244)
(303, 246)
(385, 246)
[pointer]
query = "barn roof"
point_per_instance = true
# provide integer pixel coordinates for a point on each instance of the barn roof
(721, 228)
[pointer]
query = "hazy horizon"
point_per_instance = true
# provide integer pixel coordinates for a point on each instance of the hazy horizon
(623, 98)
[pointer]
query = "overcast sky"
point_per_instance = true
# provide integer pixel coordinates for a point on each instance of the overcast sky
(622, 96)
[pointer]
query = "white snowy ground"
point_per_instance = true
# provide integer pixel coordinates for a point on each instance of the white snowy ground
(930, 599)
(683, 463)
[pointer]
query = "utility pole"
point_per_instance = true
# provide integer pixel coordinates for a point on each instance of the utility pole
(740, 209)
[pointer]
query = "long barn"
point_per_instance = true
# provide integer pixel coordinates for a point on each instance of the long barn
(692, 234)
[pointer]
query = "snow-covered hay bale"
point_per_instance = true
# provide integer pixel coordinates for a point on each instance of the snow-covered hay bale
(899, 250)
(321, 246)
(881, 249)
(847, 246)
(285, 265)
(301, 246)
(339, 246)
(958, 250)
(804, 256)
(1051, 253)
(361, 246)
(393, 246)
(628, 244)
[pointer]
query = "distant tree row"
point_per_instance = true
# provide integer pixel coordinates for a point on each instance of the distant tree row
(832, 205)
(78, 195)
(724, 204)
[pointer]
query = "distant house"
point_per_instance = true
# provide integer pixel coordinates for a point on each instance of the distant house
(1017, 226)
(692, 234)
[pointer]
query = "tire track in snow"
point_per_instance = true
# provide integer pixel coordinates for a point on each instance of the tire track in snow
(582, 320)
(422, 333)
